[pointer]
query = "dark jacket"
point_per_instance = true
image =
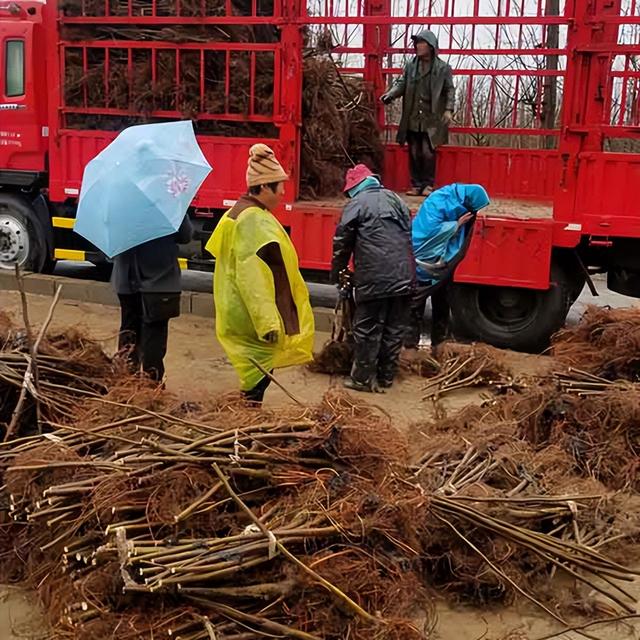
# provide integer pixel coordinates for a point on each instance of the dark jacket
(442, 92)
(151, 267)
(376, 229)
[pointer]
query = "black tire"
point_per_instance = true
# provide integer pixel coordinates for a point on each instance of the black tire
(508, 317)
(568, 268)
(22, 238)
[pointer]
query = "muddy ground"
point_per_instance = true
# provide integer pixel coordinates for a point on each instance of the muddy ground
(196, 367)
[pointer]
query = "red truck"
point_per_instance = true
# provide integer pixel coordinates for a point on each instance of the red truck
(547, 119)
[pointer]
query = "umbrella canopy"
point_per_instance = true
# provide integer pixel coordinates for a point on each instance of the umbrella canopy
(140, 187)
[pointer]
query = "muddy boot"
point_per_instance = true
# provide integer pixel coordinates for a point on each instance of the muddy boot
(351, 384)
(372, 387)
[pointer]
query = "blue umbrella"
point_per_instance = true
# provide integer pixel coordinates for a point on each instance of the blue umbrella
(140, 187)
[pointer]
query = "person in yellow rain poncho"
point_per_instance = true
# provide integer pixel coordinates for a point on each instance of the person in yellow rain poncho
(262, 304)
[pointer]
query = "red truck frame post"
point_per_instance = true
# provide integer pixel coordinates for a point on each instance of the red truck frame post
(562, 181)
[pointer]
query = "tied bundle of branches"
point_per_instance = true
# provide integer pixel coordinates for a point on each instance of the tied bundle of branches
(336, 356)
(600, 431)
(219, 530)
(459, 366)
(606, 342)
(478, 459)
(70, 367)
(339, 127)
(594, 422)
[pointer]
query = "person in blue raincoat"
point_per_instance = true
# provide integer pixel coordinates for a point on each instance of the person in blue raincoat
(440, 235)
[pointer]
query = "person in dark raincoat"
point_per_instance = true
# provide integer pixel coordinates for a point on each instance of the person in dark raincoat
(428, 98)
(148, 283)
(376, 230)
(440, 234)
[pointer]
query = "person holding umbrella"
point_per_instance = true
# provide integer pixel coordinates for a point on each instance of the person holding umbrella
(264, 319)
(133, 204)
(375, 229)
(147, 280)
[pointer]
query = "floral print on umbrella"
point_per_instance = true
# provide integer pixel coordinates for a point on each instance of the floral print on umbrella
(177, 182)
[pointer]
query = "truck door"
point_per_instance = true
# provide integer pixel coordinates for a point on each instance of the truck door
(22, 152)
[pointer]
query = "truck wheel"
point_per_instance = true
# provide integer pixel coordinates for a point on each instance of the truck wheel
(509, 317)
(22, 239)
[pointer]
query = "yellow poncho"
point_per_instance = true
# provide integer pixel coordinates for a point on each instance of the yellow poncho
(245, 296)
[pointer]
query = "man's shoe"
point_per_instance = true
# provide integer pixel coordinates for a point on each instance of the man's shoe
(350, 383)
(385, 384)
(374, 387)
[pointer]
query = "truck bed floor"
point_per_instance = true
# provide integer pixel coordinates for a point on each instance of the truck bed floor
(499, 207)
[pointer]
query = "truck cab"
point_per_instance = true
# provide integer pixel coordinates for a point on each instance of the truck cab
(23, 131)
(23, 104)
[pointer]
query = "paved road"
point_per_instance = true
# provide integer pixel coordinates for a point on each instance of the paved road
(323, 295)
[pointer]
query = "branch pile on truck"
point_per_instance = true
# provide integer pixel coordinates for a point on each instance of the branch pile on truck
(147, 76)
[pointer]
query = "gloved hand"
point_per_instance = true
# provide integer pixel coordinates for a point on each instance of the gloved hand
(271, 337)
(447, 117)
(344, 292)
(463, 219)
(386, 98)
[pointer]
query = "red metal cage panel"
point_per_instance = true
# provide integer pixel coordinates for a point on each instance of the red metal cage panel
(509, 63)
(158, 60)
(599, 149)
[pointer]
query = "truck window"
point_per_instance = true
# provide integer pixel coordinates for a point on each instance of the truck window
(14, 68)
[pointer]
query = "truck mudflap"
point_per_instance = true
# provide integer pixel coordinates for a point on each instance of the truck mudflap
(507, 252)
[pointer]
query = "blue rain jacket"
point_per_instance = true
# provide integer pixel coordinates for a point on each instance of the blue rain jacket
(434, 234)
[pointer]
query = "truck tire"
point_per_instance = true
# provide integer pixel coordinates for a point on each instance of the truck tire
(509, 317)
(22, 238)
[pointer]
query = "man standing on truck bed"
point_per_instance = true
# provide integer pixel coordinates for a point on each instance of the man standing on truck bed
(428, 95)
(263, 315)
(376, 230)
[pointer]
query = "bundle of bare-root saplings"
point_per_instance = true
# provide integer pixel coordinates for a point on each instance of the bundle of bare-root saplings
(224, 93)
(145, 515)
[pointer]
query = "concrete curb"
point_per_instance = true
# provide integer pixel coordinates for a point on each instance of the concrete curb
(192, 302)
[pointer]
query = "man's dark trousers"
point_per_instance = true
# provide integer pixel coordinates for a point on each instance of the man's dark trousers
(422, 160)
(145, 343)
(379, 328)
